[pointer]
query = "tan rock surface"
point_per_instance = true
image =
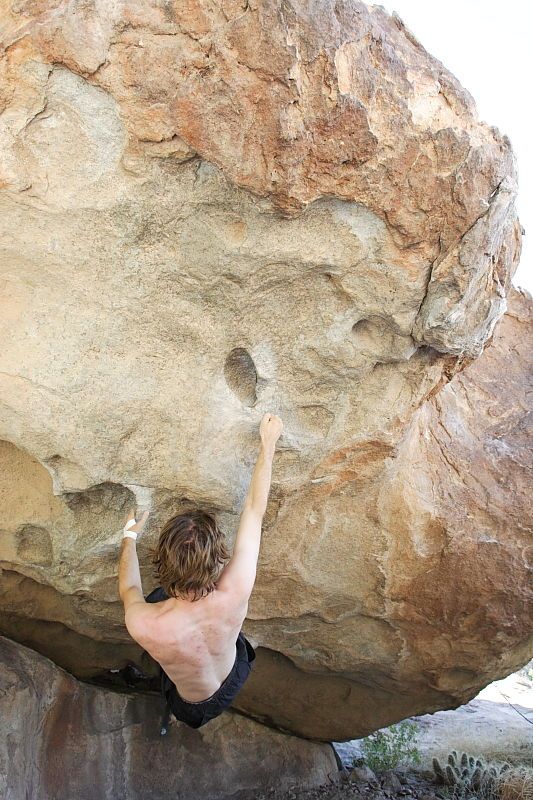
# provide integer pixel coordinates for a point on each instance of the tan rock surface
(63, 740)
(209, 214)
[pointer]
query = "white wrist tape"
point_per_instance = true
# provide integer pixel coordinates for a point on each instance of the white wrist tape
(127, 532)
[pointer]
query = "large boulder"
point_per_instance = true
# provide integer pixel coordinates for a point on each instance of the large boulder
(212, 212)
(409, 586)
(63, 739)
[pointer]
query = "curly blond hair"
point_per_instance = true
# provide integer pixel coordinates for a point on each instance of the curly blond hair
(189, 554)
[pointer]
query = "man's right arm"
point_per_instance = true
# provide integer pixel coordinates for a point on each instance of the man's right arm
(238, 577)
(257, 497)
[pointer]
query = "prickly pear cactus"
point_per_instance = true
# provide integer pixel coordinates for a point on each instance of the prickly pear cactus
(467, 773)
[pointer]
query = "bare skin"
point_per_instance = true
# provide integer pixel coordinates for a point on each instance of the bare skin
(195, 641)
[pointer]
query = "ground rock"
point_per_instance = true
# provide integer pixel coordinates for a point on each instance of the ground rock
(363, 775)
(64, 739)
(390, 782)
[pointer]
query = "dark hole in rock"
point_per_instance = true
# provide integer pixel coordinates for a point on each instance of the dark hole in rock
(425, 351)
(368, 334)
(241, 375)
(125, 678)
(34, 545)
(363, 327)
(103, 495)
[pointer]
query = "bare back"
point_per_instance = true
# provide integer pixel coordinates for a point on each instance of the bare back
(193, 641)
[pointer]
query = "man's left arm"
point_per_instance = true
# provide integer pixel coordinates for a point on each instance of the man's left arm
(129, 575)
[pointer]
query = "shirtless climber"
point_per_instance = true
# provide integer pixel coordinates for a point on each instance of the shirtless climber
(191, 624)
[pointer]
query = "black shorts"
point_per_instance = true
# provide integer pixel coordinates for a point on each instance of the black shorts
(196, 714)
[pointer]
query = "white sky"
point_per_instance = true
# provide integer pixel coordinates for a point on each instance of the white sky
(487, 45)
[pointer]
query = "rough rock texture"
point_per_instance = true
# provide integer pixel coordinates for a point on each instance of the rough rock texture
(209, 211)
(63, 740)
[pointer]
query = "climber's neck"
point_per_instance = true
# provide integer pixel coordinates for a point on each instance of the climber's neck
(189, 597)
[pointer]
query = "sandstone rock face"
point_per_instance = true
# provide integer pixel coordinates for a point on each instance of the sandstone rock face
(209, 213)
(68, 740)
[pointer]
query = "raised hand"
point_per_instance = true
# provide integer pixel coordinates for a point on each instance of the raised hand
(138, 526)
(270, 430)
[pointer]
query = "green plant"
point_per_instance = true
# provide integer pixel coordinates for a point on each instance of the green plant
(469, 777)
(386, 749)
